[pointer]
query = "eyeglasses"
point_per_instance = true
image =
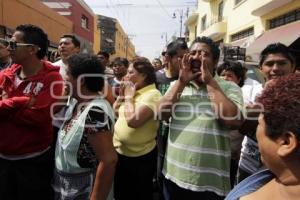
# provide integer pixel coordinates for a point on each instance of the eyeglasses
(13, 45)
(3, 42)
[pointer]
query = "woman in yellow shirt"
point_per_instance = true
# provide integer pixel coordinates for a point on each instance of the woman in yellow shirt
(135, 132)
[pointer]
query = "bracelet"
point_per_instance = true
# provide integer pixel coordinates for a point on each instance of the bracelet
(128, 98)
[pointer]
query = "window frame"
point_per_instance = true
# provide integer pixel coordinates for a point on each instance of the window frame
(84, 22)
(203, 23)
(242, 34)
(284, 19)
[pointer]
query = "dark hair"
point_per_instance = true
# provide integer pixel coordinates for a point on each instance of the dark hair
(144, 67)
(35, 35)
(175, 46)
(235, 67)
(4, 42)
(120, 61)
(213, 46)
(74, 39)
(157, 59)
(281, 102)
(103, 53)
(276, 48)
(87, 64)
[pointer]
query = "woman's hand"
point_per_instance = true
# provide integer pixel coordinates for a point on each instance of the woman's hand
(129, 90)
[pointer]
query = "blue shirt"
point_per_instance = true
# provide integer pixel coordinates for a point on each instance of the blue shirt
(250, 184)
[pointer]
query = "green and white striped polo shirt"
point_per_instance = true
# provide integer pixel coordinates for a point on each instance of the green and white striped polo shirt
(198, 150)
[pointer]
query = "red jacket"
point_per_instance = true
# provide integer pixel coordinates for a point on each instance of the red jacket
(25, 119)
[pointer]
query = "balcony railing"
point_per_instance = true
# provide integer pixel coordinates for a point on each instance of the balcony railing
(212, 22)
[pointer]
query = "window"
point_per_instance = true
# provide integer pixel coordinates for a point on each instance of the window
(285, 19)
(203, 23)
(219, 42)
(220, 11)
(84, 22)
(242, 34)
(237, 2)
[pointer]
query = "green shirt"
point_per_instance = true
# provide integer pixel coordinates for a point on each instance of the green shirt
(198, 150)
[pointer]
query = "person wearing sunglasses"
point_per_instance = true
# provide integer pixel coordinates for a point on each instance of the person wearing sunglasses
(28, 90)
(5, 59)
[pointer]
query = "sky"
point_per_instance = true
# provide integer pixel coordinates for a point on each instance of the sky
(148, 23)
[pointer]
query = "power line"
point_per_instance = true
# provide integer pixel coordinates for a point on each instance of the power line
(163, 8)
(111, 8)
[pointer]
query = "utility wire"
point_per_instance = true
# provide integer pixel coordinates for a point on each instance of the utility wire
(110, 8)
(163, 8)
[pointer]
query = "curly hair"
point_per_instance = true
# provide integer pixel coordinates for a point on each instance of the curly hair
(281, 101)
(81, 63)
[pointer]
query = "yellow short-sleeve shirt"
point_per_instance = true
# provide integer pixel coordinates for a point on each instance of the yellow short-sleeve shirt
(139, 141)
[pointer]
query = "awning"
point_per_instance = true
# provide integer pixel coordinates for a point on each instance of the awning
(286, 34)
(295, 46)
(244, 43)
(239, 42)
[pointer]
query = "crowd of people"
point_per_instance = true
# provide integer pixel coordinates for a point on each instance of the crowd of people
(184, 126)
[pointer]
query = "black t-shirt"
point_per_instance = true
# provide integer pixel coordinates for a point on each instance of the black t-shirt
(115, 85)
(163, 82)
(96, 123)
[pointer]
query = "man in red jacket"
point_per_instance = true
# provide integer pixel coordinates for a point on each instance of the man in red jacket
(27, 91)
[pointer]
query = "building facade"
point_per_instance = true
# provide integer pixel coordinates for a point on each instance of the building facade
(97, 36)
(114, 40)
(247, 23)
(15, 12)
(107, 26)
(82, 17)
(123, 45)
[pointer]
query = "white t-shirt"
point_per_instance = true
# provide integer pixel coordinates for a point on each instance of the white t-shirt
(63, 67)
(251, 89)
(250, 156)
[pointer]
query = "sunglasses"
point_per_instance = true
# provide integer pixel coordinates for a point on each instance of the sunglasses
(3, 42)
(13, 45)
